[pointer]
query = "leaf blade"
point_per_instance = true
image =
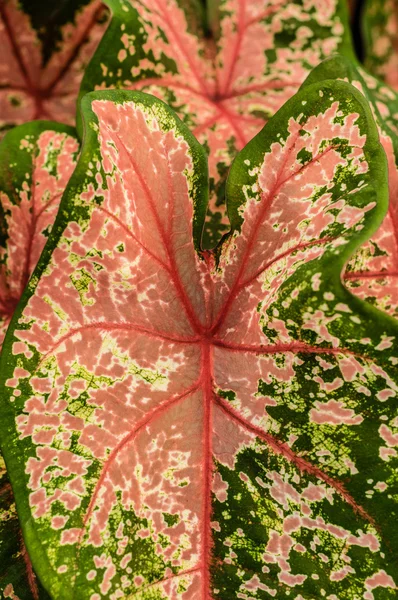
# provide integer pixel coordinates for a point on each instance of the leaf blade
(129, 400)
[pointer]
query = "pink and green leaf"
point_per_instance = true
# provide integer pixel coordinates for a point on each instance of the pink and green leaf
(190, 425)
(36, 162)
(380, 27)
(372, 273)
(224, 75)
(45, 48)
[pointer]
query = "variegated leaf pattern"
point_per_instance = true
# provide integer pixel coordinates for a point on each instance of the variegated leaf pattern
(190, 426)
(36, 162)
(224, 75)
(17, 579)
(45, 47)
(372, 273)
(380, 26)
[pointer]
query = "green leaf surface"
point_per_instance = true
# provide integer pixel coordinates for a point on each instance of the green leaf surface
(191, 425)
(224, 73)
(372, 273)
(45, 47)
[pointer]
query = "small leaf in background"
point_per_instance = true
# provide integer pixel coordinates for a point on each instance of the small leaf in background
(17, 579)
(45, 48)
(372, 274)
(180, 427)
(36, 162)
(224, 75)
(380, 27)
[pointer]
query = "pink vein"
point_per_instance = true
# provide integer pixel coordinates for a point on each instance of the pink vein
(149, 418)
(370, 274)
(267, 202)
(287, 347)
(232, 119)
(173, 267)
(303, 465)
(160, 581)
(278, 257)
(242, 28)
(128, 231)
(179, 43)
(238, 44)
(106, 326)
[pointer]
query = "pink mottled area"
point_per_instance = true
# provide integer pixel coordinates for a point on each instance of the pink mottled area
(31, 90)
(30, 211)
(135, 336)
(227, 88)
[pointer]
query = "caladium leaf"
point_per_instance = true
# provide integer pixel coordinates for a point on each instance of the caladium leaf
(17, 579)
(380, 27)
(372, 273)
(45, 47)
(36, 162)
(185, 428)
(224, 75)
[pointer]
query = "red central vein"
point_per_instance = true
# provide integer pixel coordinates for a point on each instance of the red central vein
(197, 326)
(207, 379)
(282, 448)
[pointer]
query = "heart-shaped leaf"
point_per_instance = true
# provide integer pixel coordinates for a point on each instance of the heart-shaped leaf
(224, 75)
(45, 47)
(380, 27)
(181, 427)
(36, 162)
(372, 273)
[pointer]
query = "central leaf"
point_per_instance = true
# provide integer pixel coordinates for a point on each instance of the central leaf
(191, 425)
